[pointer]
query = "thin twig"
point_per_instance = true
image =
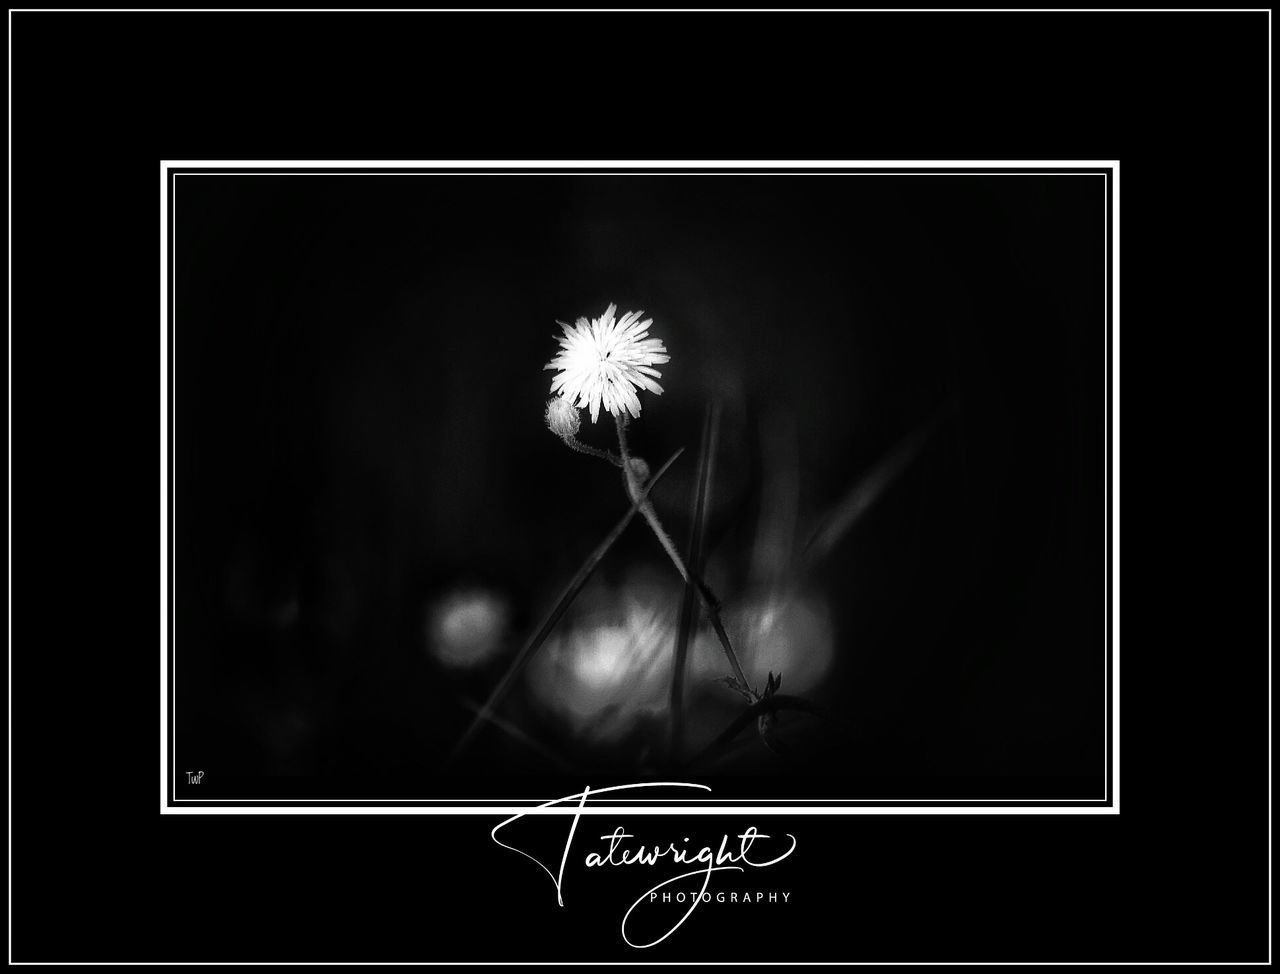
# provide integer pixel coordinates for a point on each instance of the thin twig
(553, 617)
(689, 604)
(709, 601)
(864, 492)
(768, 705)
(520, 735)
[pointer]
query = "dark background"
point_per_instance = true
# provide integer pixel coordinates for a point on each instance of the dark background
(1181, 874)
(358, 435)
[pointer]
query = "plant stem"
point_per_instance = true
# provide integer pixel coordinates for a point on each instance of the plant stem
(709, 602)
(689, 603)
(573, 443)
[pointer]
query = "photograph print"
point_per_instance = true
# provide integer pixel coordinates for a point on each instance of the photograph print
(488, 484)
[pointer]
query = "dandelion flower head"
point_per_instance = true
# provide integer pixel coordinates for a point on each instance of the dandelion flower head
(604, 362)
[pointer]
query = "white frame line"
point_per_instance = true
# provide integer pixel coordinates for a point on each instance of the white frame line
(621, 167)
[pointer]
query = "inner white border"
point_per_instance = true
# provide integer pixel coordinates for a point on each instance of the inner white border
(583, 167)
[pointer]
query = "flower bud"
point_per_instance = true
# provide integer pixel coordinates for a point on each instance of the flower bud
(639, 470)
(637, 475)
(562, 416)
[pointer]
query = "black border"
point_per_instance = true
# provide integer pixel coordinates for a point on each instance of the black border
(1180, 97)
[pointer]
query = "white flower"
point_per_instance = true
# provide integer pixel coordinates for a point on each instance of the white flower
(601, 360)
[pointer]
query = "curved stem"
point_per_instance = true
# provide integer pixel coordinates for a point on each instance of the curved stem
(573, 443)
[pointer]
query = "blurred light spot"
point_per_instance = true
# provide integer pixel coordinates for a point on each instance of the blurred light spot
(608, 665)
(467, 628)
(612, 665)
(601, 658)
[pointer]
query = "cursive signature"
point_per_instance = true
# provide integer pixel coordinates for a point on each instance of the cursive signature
(728, 857)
